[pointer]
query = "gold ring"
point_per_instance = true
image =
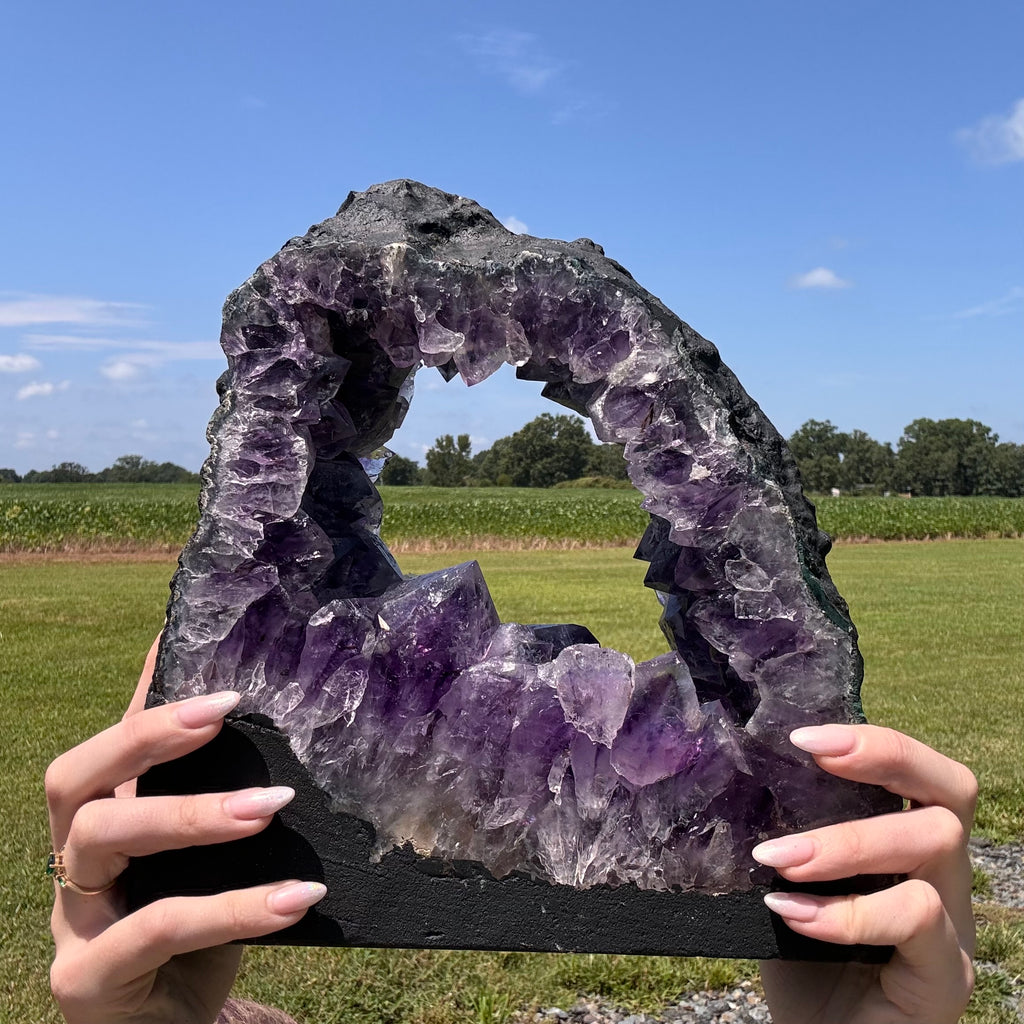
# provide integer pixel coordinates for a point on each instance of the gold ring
(56, 869)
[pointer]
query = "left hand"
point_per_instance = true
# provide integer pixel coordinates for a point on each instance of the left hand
(928, 917)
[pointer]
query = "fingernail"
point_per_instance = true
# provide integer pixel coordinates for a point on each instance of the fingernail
(211, 707)
(294, 896)
(785, 852)
(258, 803)
(830, 740)
(793, 905)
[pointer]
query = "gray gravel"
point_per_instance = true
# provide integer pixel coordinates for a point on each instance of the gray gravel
(1004, 865)
(741, 1005)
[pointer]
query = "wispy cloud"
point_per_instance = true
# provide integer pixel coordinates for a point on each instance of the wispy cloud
(162, 351)
(998, 138)
(1011, 302)
(819, 277)
(22, 362)
(515, 56)
(521, 61)
(29, 310)
(516, 226)
(41, 389)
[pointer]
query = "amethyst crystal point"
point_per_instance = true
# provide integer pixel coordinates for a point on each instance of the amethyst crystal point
(526, 749)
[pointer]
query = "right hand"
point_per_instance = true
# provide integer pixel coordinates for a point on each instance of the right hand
(167, 962)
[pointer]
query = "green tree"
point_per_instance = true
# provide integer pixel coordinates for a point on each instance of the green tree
(448, 461)
(489, 464)
(126, 469)
(134, 469)
(9, 476)
(1006, 471)
(548, 450)
(817, 446)
(939, 457)
(607, 460)
(400, 472)
(62, 473)
(865, 463)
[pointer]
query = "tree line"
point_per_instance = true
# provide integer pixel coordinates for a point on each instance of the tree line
(933, 457)
(127, 469)
(547, 451)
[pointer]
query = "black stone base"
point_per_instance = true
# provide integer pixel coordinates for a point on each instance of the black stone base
(406, 900)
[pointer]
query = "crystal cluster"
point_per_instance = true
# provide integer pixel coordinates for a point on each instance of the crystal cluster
(526, 748)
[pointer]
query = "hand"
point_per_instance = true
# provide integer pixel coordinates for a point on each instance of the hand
(928, 917)
(167, 961)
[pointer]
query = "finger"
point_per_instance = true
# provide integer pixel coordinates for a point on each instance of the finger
(94, 769)
(927, 843)
(148, 938)
(915, 842)
(105, 833)
(885, 757)
(929, 970)
(138, 701)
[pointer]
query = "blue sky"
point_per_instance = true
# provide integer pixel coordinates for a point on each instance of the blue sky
(833, 193)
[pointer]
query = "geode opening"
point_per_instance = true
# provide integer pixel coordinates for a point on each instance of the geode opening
(526, 749)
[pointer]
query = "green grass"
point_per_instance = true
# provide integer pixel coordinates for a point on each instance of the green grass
(941, 627)
(133, 517)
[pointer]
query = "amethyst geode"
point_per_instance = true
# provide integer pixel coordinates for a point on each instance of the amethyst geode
(527, 749)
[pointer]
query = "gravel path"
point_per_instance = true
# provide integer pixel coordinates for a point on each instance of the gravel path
(741, 1005)
(1003, 864)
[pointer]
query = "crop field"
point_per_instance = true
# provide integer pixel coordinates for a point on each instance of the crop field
(942, 629)
(160, 517)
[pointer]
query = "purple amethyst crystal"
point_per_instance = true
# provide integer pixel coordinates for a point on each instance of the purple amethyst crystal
(524, 748)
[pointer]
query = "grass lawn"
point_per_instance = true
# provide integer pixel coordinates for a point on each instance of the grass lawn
(942, 634)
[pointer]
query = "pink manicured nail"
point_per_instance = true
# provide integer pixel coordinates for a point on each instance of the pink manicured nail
(830, 740)
(785, 852)
(258, 803)
(211, 707)
(794, 906)
(294, 896)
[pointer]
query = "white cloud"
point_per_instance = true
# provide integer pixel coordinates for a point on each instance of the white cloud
(26, 310)
(20, 363)
(514, 56)
(52, 434)
(162, 351)
(998, 138)
(819, 277)
(516, 226)
(25, 439)
(41, 389)
(1011, 302)
(121, 369)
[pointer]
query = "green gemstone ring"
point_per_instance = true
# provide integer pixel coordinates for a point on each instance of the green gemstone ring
(56, 870)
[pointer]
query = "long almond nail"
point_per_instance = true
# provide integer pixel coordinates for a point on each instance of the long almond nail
(828, 740)
(294, 896)
(785, 852)
(258, 803)
(211, 707)
(793, 906)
